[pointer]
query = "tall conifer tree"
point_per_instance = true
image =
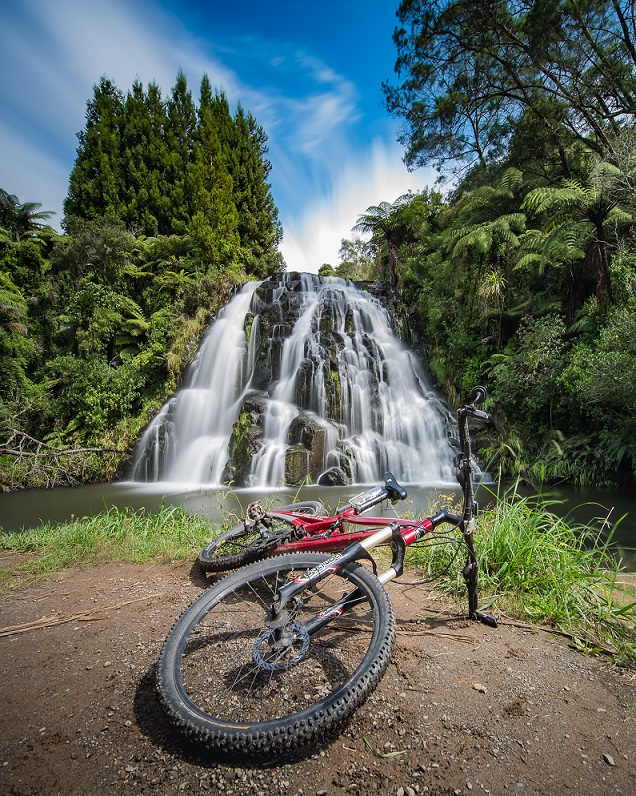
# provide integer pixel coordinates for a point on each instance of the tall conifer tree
(215, 220)
(181, 115)
(143, 161)
(95, 182)
(259, 226)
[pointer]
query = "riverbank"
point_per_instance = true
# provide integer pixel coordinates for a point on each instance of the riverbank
(462, 708)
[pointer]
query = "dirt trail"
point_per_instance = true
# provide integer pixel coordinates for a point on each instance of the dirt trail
(463, 709)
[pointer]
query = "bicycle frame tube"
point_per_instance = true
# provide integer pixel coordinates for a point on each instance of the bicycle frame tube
(400, 533)
(336, 538)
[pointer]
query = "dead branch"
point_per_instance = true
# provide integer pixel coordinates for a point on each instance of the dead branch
(60, 619)
(38, 463)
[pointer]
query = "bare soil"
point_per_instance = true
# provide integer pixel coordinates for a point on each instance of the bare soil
(463, 708)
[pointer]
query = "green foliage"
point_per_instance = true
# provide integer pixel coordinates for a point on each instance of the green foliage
(538, 568)
(469, 73)
(166, 167)
(357, 260)
(16, 349)
(115, 535)
(525, 375)
(168, 209)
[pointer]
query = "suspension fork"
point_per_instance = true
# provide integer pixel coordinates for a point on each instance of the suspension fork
(467, 525)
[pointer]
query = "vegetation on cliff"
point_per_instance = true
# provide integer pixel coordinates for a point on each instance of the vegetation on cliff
(523, 274)
(168, 209)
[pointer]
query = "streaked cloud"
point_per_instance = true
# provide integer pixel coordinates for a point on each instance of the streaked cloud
(360, 181)
(324, 172)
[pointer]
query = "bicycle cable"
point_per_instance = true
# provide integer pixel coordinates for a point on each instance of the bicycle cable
(437, 541)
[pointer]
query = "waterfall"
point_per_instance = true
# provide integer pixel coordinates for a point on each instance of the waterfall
(300, 379)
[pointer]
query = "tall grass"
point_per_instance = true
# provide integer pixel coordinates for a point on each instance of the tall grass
(114, 535)
(536, 567)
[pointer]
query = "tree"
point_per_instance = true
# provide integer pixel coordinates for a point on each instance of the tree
(215, 222)
(21, 220)
(95, 181)
(144, 161)
(470, 69)
(356, 259)
(484, 234)
(166, 168)
(181, 125)
(16, 348)
(583, 214)
(326, 269)
(389, 227)
(259, 228)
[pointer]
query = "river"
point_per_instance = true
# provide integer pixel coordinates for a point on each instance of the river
(30, 508)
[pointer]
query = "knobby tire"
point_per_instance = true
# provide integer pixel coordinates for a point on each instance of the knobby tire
(237, 547)
(217, 690)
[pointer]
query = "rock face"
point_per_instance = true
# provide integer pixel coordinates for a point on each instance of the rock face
(302, 380)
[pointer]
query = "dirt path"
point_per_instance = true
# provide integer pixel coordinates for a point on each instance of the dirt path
(464, 708)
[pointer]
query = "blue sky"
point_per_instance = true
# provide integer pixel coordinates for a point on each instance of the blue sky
(311, 74)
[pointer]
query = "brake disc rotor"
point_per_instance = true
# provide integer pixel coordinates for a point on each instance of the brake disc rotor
(281, 656)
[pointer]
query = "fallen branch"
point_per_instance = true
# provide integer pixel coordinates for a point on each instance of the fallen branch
(38, 463)
(61, 619)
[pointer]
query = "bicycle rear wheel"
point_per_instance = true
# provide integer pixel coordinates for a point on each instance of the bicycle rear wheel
(224, 684)
(237, 547)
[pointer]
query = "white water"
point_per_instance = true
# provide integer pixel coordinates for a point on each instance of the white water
(388, 418)
(194, 427)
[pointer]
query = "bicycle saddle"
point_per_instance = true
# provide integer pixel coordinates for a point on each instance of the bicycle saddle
(392, 486)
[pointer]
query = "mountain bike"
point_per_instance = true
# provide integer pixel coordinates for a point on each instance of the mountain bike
(280, 653)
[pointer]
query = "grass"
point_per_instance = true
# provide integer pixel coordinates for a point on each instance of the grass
(537, 568)
(114, 535)
(533, 565)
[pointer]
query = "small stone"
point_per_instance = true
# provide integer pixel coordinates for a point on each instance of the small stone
(609, 759)
(479, 687)
(400, 791)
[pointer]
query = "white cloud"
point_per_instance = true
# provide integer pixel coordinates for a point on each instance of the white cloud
(377, 175)
(33, 175)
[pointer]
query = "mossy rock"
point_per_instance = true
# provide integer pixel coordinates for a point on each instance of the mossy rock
(297, 466)
(245, 440)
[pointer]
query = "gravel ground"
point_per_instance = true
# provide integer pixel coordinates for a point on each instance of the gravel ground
(462, 709)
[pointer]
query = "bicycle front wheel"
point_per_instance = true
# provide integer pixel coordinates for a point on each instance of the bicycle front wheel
(224, 684)
(237, 547)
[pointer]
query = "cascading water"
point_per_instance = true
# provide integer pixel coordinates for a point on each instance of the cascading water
(300, 379)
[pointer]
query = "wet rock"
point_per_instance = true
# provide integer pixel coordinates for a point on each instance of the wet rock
(245, 441)
(335, 476)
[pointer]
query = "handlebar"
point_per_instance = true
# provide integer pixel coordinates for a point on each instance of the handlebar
(390, 491)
